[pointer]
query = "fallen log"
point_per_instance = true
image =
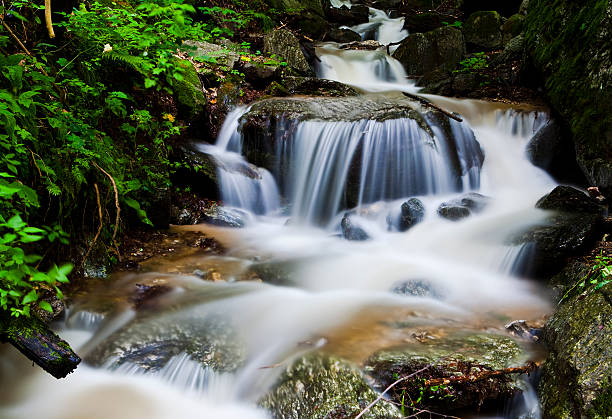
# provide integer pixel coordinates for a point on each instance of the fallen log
(425, 102)
(38, 343)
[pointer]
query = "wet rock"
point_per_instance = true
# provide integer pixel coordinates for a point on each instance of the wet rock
(149, 342)
(568, 55)
(356, 15)
(453, 212)
(416, 288)
(312, 25)
(318, 386)
(312, 86)
(440, 49)
(552, 149)
(577, 375)
(423, 22)
(277, 272)
(258, 74)
(352, 231)
(145, 293)
(313, 6)
(189, 92)
(574, 227)
(512, 28)
(344, 35)
(483, 30)
(198, 172)
(520, 329)
(224, 217)
(412, 213)
(568, 199)
(284, 44)
(460, 354)
(463, 207)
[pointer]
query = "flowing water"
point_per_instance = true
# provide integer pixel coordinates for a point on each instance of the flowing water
(334, 293)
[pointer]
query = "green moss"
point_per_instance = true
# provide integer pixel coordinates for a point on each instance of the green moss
(188, 92)
(570, 44)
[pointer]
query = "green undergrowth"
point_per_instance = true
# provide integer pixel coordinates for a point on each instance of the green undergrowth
(89, 121)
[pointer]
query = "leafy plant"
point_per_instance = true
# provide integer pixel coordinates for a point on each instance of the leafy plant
(477, 61)
(456, 24)
(599, 275)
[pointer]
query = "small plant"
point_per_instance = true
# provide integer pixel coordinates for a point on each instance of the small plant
(598, 276)
(477, 61)
(456, 24)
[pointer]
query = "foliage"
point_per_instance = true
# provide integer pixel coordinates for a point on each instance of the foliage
(456, 24)
(475, 62)
(599, 275)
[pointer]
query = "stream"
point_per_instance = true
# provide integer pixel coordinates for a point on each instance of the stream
(212, 348)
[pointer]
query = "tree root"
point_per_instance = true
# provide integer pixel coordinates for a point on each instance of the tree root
(99, 227)
(113, 239)
(472, 378)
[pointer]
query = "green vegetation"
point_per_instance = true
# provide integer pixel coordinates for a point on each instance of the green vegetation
(598, 276)
(473, 63)
(88, 124)
(456, 24)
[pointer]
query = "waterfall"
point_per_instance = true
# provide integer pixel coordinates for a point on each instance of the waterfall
(381, 28)
(241, 185)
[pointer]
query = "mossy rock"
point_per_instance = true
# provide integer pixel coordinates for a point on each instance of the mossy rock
(483, 30)
(285, 45)
(319, 386)
(297, 6)
(437, 50)
(570, 43)
(189, 91)
(577, 375)
(423, 22)
(512, 28)
(461, 353)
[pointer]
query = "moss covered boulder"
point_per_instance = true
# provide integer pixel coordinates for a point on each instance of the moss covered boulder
(284, 44)
(423, 22)
(512, 28)
(189, 91)
(570, 43)
(437, 50)
(460, 354)
(482, 30)
(577, 375)
(318, 386)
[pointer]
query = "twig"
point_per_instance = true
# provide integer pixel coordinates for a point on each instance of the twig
(481, 376)
(48, 20)
(116, 206)
(99, 227)
(431, 105)
(414, 415)
(390, 387)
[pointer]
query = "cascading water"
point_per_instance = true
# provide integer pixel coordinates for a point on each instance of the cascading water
(381, 28)
(467, 264)
(241, 185)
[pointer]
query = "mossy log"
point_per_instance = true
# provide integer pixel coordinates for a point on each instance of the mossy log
(38, 343)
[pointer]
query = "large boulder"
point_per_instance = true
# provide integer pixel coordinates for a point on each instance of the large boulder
(577, 375)
(423, 22)
(512, 28)
(344, 35)
(482, 30)
(285, 45)
(570, 43)
(319, 386)
(440, 49)
(505, 8)
(356, 15)
(189, 92)
(552, 149)
(573, 227)
(459, 354)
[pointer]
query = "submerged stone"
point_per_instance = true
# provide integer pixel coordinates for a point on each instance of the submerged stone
(319, 386)
(352, 231)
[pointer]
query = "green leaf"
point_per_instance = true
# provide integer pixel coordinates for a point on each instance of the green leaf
(30, 297)
(45, 306)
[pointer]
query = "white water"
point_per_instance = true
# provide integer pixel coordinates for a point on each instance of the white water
(468, 263)
(382, 28)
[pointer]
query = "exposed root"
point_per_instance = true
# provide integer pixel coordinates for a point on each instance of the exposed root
(99, 227)
(116, 206)
(48, 20)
